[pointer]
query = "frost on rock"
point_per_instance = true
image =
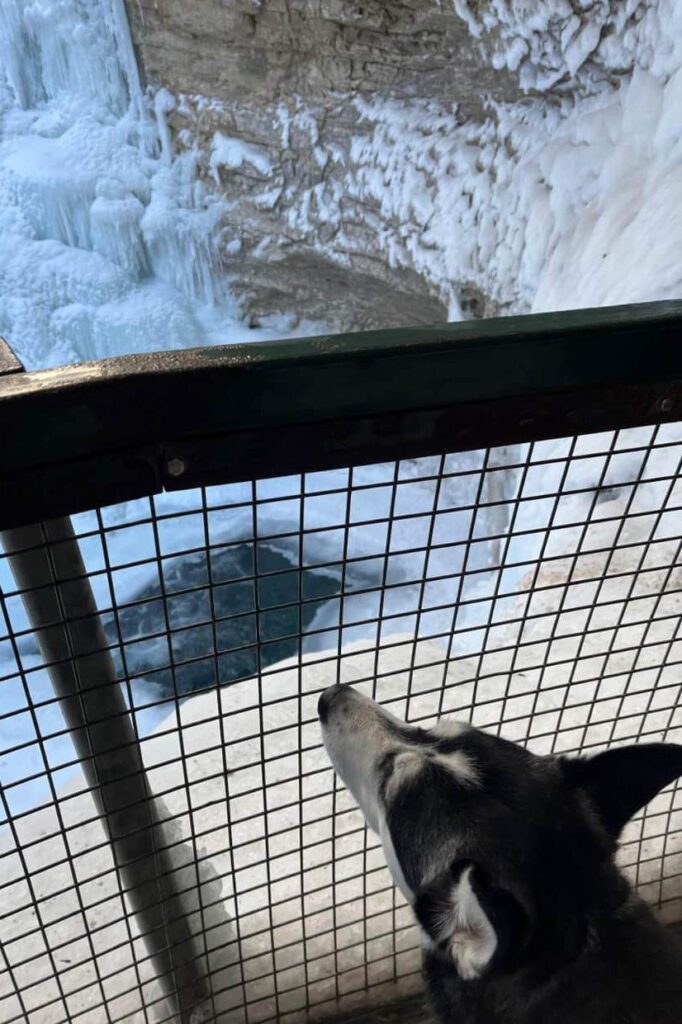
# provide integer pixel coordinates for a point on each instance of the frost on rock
(554, 42)
(234, 153)
(545, 206)
(398, 201)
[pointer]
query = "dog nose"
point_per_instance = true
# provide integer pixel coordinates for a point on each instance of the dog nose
(326, 700)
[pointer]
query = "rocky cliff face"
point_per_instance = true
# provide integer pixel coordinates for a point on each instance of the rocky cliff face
(279, 96)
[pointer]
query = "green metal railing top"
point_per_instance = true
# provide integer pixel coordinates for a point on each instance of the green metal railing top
(533, 589)
(102, 432)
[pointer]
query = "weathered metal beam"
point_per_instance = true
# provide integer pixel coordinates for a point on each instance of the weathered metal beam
(47, 565)
(104, 432)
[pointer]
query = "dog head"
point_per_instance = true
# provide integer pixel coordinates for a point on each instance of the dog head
(505, 857)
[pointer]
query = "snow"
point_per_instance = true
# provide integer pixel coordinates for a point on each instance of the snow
(625, 238)
(550, 204)
(109, 244)
(233, 153)
(515, 507)
(108, 238)
(562, 201)
(550, 41)
(18, 729)
(540, 211)
(266, 860)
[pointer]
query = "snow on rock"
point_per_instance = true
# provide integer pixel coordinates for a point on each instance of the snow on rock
(234, 153)
(568, 198)
(548, 42)
(547, 205)
(616, 200)
(552, 201)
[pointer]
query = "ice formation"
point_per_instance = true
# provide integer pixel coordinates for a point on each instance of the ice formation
(108, 238)
(570, 199)
(108, 246)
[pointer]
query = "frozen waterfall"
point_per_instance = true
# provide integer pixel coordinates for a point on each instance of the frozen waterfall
(108, 239)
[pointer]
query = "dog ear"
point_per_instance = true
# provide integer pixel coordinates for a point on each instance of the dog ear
(468, 919)
(620, 781)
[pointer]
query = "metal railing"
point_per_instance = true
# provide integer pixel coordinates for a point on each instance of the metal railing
(479, 519)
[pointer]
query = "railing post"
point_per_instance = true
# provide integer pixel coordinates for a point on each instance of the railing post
(48, 567)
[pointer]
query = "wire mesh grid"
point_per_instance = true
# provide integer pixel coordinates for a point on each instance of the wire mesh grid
(533, 590)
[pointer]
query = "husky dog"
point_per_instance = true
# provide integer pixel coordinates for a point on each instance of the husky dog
(507, 860)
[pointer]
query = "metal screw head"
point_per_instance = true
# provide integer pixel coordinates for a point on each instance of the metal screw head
(665, 404)
(176, 466)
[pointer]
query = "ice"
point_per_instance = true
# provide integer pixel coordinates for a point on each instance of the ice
(234, 153)
(168, 322)
(79, 48)
(115, 216)
(109, 246)
(559, 202)
(54, 194)
(109, 239)
(179, 239)
(546, 205)
(554, 42)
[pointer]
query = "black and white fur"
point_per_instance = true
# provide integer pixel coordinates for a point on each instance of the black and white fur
(507, 859)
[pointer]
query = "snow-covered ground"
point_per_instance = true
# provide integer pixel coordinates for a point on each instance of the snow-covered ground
(109, 238)
(285, 861)
(564, 634)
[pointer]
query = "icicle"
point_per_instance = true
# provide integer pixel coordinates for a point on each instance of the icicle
(115, 217)
(88, 176)
(163, 104)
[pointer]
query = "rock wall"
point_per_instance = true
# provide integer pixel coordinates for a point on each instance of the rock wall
(270, 91)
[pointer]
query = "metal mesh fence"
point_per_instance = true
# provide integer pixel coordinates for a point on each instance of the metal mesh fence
(533, 590)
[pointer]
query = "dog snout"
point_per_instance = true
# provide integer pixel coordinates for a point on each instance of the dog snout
(327, 698)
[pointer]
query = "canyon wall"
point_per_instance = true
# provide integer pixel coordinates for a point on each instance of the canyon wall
(281, 98)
